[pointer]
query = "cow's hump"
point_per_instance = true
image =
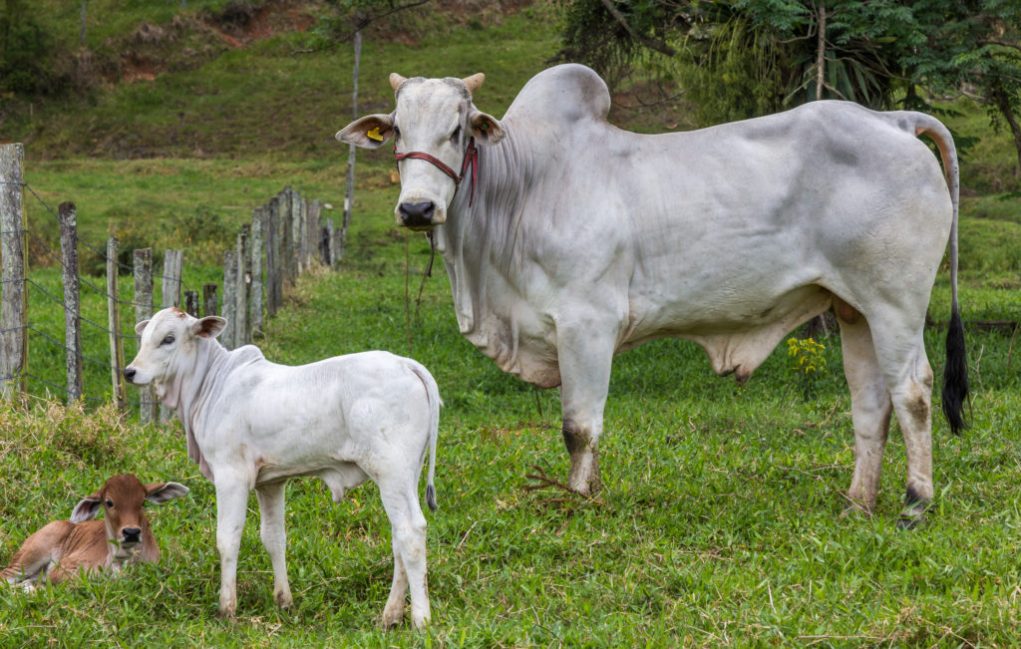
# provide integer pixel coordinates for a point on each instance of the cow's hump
(564, 93)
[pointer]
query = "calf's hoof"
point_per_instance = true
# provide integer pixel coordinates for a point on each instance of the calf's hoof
(856, 509)
(283, 598)
(393, 616)
(419, 621)
(228, 611)
(915, 507)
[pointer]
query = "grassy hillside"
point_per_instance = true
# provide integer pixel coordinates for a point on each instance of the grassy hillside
(720, 523)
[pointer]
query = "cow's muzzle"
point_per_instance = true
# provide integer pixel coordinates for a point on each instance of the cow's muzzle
(417, 216)
(131, 535)
(129, 374)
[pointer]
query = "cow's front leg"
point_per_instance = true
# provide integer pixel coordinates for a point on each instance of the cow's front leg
(274, 538)
(585, 354)
(231, 506)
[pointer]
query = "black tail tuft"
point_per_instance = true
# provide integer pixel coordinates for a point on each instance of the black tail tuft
(955, 375)
(430, 497)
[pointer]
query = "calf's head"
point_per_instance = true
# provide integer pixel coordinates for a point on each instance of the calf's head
(121, 499)
(435, 117)
(168, 349)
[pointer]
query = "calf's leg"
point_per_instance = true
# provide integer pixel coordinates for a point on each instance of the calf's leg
(393, 612)
(274, 537)
(400, 500)
(231, 506)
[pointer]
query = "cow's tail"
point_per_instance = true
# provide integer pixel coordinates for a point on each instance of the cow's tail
(955, 373)
(432, 392)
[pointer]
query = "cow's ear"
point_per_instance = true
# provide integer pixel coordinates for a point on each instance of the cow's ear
(161, 492)
(86, 509)
(485, 128)
(369, 132)
(140, 327)
(210, 326)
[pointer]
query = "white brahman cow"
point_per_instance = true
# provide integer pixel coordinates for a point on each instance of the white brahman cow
(568, 240)
(252, 424)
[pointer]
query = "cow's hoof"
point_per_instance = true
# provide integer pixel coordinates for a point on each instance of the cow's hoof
(856, 510)
(420, 622)
(910, 520)
(228, 611)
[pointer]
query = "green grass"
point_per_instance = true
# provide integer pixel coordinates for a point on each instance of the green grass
(720, 522)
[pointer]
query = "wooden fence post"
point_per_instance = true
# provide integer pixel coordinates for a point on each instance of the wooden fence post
(349, 194)
(312, 232)
(230, 300)
(173, 264)
(113, 311)
(173, 267)
(301, 230)
(209, 299)
(72, 302)
(244, 258)
(272, 255)
(14, 306)
(329, 254)
(191, 303)
(286, 238)
(255, 263)
(142, 259)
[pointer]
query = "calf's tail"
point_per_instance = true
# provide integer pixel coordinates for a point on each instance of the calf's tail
(432, 392)
(955, 372)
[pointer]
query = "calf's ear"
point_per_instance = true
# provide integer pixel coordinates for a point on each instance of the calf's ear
(86, 509)
(140, 327)
(485, 128)
(161, 492)
(210, 326)
(369, 132)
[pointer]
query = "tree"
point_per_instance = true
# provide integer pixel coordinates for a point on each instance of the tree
(742, 58)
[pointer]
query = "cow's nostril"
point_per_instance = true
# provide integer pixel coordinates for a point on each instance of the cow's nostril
(129, 373)
(131, 533)
(415, 214)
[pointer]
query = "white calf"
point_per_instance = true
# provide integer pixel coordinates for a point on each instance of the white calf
(254, 424)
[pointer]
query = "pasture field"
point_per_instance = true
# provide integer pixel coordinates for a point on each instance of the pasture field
(720, 522)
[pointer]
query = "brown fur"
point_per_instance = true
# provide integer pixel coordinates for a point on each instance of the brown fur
(60, 549)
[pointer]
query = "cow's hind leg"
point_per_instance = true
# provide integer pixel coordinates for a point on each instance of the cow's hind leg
(274, 538)
(585, 355)
(400, 499)
(870, 406)
(900, 351)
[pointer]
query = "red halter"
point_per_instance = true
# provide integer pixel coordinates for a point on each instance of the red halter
(471, 159)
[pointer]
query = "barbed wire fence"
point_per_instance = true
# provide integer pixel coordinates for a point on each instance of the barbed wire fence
(287, 236)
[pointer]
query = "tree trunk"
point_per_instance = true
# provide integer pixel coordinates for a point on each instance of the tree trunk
(1002, 101)
(820, 52)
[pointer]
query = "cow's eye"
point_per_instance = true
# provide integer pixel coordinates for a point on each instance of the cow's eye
(109, 503)
(397, 132)
(456, 134)
(168, 340)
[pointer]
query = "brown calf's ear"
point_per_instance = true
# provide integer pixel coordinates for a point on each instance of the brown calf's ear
(161, 492)
(210, 326)
(485, 128)
(86, 509)
(140, 327)
(369, 132)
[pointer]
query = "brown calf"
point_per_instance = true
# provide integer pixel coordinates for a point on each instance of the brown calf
(62, 548)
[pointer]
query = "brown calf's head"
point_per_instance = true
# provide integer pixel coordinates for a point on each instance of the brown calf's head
(121, 498)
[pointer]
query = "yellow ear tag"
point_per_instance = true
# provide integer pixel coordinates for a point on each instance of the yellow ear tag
(374, 134)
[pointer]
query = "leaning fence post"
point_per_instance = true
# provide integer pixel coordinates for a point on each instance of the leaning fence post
(329, 254)
(230, 303)
(142, 258)
(244, 255)
(301, 232)
(72, 305)
(255, 287)
(14, 306)
(113, 311)
(274, 250)
(209, 299)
